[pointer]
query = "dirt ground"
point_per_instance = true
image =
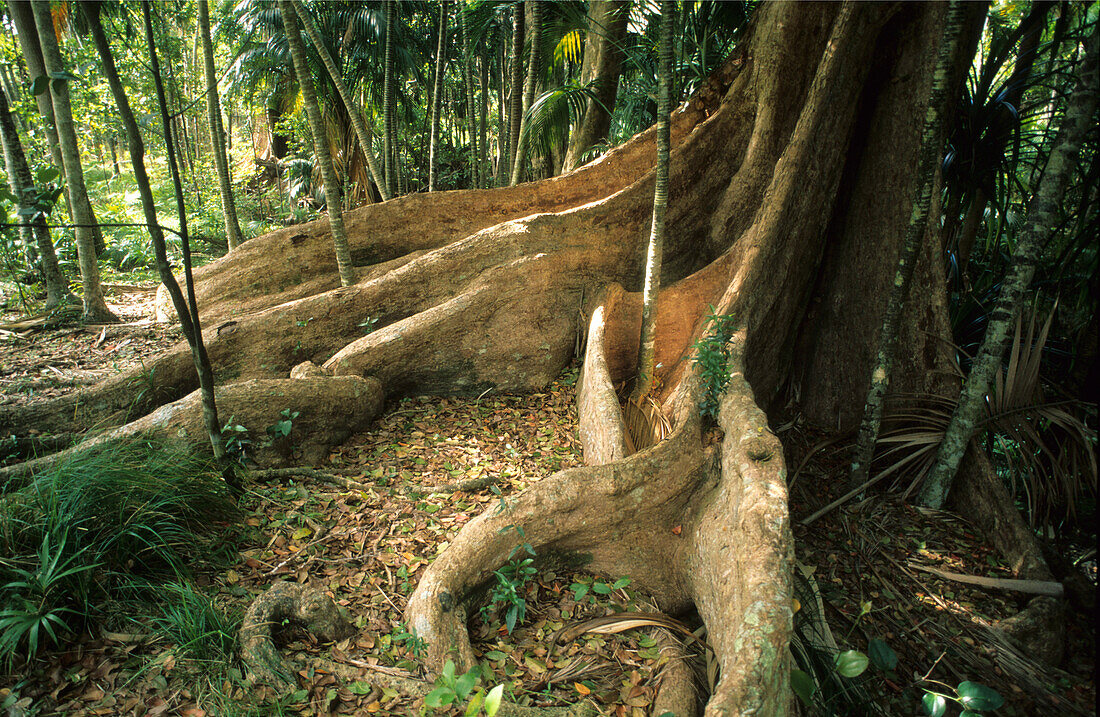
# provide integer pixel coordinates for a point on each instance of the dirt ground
(431, 464)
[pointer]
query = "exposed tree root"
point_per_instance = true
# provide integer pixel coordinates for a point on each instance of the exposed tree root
(284, 601)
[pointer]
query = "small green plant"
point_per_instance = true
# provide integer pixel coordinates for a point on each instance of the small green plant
(972, 697)
(450, 689)
(585, 587)
(197, 626)
(236, 440)
(712, 357)
(368, 324)
(42, 597)
(415, 644)
(511, 583)
(282, 428)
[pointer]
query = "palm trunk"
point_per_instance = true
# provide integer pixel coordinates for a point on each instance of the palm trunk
(930, 152)
(437, 98)
(515, 99)
(32, 231)
(95, 308)
(355, 113)
(217, 139)
(1042, 220)
(484, 161)
(320, 145)
(471, 117)
(387, 102)
(652, 287)
(535, 6)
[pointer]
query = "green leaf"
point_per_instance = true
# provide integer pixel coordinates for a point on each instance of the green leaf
(601, 588)
(975, 696)
(360, 688)
(495, 655)
(46, 175)
(440, 697)
(39, 85)
(621, 583)
(579, 590)
(803, 686)
(465, 684)
(492, 700)
(882, 655)
(475, 703)
(851, 663)
(934, 705)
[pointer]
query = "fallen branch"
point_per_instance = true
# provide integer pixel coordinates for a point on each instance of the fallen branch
(1032, 587)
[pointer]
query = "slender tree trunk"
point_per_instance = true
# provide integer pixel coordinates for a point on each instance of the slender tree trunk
(95, 308)
(188, 315)
(930, 153)
(22, 15)
(320, 145)
(437, 97)
(652, 287)
(217, 140)
(474, 150)
(387, 101)
(484, 161)
(515, 98)
(1041, 222)
(34, 232)
(601, 65)
(533, 69)
(355, 112)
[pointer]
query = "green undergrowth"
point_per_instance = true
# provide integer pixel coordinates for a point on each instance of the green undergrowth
(109, 526)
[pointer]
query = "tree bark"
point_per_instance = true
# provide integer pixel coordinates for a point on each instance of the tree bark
(95, 308)
(603, 55)
(931, 151)
(515, 99)
(1042, 219)
(473, 147)
(34, 232)
(217, 137)
(388, 138)
(333, 201)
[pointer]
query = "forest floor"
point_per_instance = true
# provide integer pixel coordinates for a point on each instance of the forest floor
(430, 465)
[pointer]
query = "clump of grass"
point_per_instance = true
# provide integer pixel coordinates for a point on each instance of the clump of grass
(99, 526)
(195, 624)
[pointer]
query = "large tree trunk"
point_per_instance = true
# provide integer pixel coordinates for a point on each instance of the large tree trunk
(602, 62)
(491, 289)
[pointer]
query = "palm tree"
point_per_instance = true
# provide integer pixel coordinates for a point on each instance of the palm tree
(217, 136)
(535, 30)
(95, 308)
(388, 139)
(354, 112)
(437, 97)
(333, 201)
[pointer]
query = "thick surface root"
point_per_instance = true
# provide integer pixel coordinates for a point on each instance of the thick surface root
(283, 601)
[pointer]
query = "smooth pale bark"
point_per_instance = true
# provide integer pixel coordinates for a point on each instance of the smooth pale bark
(601, 65)
(355, 112)
(34, 233)
(643, 384)
(931, 151)
(535, 30)
(95, 308)
(515, 97)
(217, 137)
(1041, 222)
(333, 202)
(437, 97)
